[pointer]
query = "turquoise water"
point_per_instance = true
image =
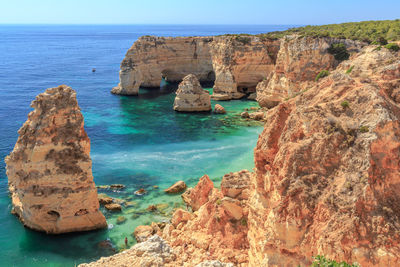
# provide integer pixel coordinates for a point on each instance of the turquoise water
(136, 141)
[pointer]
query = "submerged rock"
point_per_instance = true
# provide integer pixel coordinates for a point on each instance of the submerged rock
(50, 170)
(245, 115)
(113, 207)
(121, 219)
(104, 199)
(178, 187)
(190, 97)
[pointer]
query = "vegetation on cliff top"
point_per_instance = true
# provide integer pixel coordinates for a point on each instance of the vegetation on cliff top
(321, 261)
(369, 31)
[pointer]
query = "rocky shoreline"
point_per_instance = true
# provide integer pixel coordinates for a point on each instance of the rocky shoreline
(326, 165)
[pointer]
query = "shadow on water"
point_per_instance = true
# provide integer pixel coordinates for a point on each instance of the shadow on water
(72, 245)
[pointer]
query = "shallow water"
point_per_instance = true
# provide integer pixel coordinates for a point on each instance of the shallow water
(136, 141)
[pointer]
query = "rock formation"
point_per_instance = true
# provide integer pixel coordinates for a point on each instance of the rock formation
(218, 109)
(240, 63)
(152, 58)
(153, 252)
(190, 97)
(327, 170)
(50, 170)
(235, 63)
(177, 187)
(298, 62)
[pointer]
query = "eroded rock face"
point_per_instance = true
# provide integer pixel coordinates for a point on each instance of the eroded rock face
(240, 63)
(215, 231)
(153, 252)
(327, 170)
(50, 170)
(298, 62)
(152, 58)
(190, 97)
(235, 64)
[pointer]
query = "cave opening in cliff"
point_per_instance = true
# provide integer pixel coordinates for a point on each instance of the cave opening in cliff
(209, 80)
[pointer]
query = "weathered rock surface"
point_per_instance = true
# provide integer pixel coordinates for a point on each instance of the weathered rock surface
(236, 184)
(200, 193)
(190, 97)
(177, 187)
(240, 63)
(235, 64)
(152, 58)
(50, 170)
(214, 263)
(327, 170)
(298, 62)
(154, 252)
(143, 232)
(217, 230)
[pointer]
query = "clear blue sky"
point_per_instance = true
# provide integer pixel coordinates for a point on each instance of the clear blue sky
(195, 12)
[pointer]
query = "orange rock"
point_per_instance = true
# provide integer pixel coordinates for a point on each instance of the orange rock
(323, 185)
(200, 193)
(178, 187)
(143, 232)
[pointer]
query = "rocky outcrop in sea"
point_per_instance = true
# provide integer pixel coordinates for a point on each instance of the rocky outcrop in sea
(50, 170)
(190, 97)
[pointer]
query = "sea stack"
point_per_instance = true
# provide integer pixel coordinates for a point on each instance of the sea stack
(190, 97)
(50, 170)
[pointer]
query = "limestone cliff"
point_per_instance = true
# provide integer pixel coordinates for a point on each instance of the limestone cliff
(298, 62)
(327, 170)
(190, 97)
(152, 58)
(50, 170)
(235, 64)
(240, 63)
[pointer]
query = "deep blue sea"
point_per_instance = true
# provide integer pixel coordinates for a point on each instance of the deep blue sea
(138, 141)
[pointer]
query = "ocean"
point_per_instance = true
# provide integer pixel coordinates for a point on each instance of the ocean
(137, 141)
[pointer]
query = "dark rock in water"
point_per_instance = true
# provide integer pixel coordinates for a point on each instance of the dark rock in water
(93, 70)
(121, 219)
(106, 245)
(104, 199)
(117, 186)
(152, 208)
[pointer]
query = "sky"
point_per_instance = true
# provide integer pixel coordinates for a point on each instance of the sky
(305, 12)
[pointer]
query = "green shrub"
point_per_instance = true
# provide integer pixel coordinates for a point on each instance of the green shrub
(339, 50)
(349, 70)
(364, 129)
(218, 202)
(243, 39)
(243, 222)
(378, 48)
(382, 41)
(321, 261)
(345, 104)
(321, 74)
(363, 31)
(393, 47)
